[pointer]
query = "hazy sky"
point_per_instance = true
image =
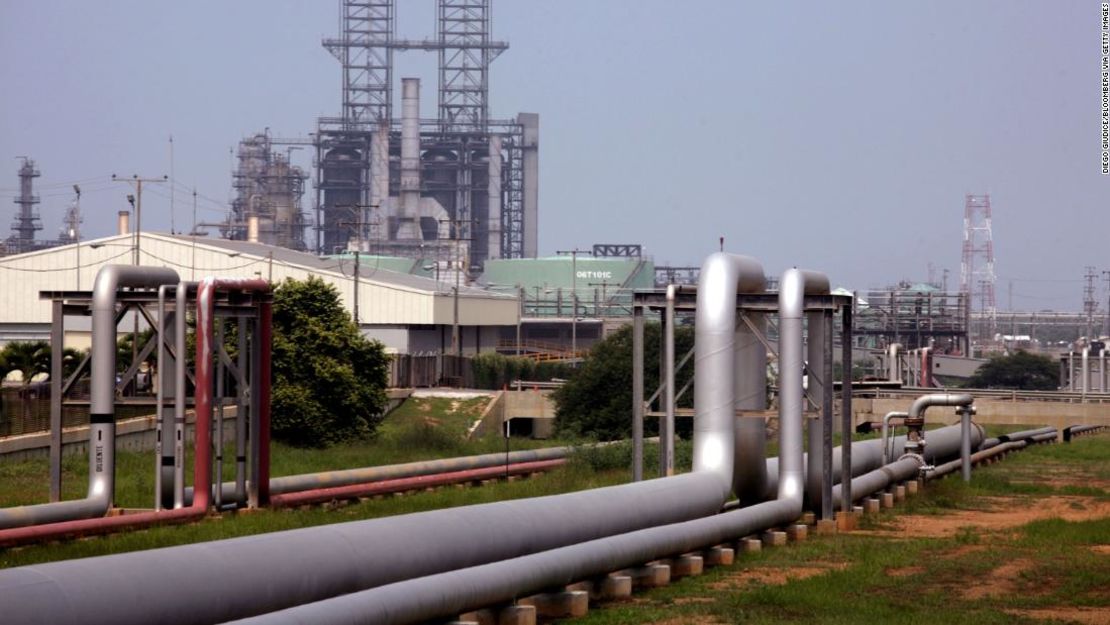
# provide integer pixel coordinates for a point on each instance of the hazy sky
(835, 136)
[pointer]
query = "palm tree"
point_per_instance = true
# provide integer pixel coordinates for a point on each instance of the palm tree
(28, 357)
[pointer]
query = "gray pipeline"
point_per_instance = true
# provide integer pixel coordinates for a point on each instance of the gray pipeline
(102, 408)
(257, 574)
(942, 443)
(348, 477)
(454, 591)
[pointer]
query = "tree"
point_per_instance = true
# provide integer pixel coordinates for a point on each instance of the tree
(328, 380)
(596, 400)
(28, 357)
(1020, 370)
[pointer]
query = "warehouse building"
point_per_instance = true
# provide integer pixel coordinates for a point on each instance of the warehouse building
(410, 314)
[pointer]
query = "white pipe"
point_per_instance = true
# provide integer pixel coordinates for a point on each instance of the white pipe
(1085, 368)
(722, 277)
(893, 365)
(793, 287)
(885, 432)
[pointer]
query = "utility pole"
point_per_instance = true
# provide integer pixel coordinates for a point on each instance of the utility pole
(358, 263)
(138, 182)
(173, 225)
(74, 231)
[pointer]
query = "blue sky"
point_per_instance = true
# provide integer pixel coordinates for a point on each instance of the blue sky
(840, 137)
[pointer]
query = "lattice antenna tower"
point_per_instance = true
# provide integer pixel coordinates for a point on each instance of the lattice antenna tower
(367, 31)
(1090, 303)
(977, 266)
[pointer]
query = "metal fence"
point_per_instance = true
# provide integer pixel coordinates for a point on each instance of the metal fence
(423, 371)
(26, 409)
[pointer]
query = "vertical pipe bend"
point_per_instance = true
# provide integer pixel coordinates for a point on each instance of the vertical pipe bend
(723, 276)
(794, 285)
(886, 431)
(102, 418)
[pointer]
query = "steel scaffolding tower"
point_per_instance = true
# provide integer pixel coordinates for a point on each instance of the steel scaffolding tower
(365, 50)
(27, 221)
(352, 174)
(465, 53)
(977, 267)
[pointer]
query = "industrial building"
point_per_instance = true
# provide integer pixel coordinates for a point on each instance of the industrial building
(569, 302)
(409, 314)
(461, 188)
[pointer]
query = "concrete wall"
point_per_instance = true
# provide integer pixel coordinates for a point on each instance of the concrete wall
(138, 434)
(1002, 412)
(536, 405)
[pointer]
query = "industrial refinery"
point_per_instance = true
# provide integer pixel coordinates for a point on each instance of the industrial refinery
(787, 347)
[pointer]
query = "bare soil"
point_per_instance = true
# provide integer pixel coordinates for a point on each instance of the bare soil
(1001, 513)
(775, 576)
(1085, 616)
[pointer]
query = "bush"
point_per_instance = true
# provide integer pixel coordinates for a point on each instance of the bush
(1020, 371)
(328, 380)
(494, 371)
(596, 401)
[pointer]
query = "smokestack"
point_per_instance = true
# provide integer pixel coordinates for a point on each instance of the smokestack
(379, 168)
(123, 223)
(252, 228)
(409, 212)
(494, 191)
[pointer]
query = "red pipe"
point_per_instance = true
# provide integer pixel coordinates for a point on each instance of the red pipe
(409, 483)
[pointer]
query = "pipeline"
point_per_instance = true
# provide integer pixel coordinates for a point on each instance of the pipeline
(943, 443)
(1080, 430)
(102, 414)
(332, 560)
(369, 475)
(202, 471)
(410, 483)
(454, 591)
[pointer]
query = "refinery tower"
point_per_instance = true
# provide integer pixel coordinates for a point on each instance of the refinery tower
(455, 190)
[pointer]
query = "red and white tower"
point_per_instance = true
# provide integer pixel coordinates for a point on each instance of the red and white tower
(977, 268)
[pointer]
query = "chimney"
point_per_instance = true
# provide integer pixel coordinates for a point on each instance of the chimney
(408, 214)
(252, 228)
(123, 225)
(494, 191)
